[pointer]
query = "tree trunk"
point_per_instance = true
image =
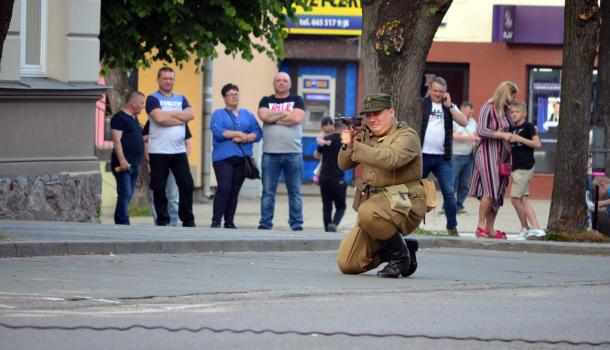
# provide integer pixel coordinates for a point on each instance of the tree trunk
(117, 95)
(581, 23)
(118, 81)
(6, 13)
(602, 103)
(141, 196)
(396, 38)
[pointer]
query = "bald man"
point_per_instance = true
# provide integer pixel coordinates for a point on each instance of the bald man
(282, 115)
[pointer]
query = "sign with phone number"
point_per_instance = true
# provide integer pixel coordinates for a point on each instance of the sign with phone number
(330, 25)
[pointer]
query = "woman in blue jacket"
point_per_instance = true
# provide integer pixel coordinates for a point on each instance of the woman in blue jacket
(234, 130)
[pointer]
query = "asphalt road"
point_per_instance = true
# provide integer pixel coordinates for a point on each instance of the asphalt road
(459, 299)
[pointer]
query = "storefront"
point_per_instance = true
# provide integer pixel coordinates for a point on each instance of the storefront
(322, 59)
(526, 48)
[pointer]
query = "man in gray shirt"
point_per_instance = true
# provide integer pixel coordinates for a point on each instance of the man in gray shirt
(282, 115)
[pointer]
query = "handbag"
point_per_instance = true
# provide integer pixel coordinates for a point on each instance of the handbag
(250, 169)
(505, 169)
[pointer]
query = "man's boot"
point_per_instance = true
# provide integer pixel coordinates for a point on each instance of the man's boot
(397, 255)
(412, 246)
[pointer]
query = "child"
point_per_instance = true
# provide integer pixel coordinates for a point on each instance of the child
(523, 141)
(328, 127)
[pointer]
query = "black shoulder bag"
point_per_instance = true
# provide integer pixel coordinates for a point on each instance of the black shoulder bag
(250, 169)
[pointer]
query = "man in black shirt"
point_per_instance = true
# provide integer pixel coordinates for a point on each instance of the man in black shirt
(127, 153)
(331, 180)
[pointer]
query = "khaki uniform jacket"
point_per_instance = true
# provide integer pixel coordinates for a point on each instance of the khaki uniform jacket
(392, 159)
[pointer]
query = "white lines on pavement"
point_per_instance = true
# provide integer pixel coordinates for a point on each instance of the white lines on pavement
(121, 310)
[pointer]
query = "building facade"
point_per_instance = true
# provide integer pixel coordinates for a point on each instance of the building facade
(479, 44)
(48, 91)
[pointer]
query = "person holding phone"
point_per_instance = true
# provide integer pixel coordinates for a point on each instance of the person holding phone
(439, 113)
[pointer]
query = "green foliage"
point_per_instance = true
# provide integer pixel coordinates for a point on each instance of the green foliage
(134, 33)
(4, 236)
(424, 232)
(587, 236)
(389, 38)
(134, 211)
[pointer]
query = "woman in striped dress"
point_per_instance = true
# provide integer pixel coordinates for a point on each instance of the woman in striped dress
(486, 183)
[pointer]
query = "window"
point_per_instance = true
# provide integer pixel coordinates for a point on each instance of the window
(544, 105)
(33, 37)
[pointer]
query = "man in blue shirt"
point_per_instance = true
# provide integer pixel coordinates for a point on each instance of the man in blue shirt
(127, 153)
(168, 114)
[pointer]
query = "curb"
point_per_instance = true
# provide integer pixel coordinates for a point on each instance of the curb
(30, 249)
(66, 248)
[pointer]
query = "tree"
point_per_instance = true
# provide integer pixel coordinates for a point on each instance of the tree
(138, 32)
(602, 102)
(135, 33)
(6, 12)
(581, 24)
(396, 38)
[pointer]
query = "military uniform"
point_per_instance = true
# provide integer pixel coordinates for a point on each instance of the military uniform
(392, 159)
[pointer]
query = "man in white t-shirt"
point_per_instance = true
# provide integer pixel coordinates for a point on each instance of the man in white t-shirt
(464, 140)
(168, 114)
(437, 139)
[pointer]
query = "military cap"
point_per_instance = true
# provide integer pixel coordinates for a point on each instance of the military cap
(376, 102)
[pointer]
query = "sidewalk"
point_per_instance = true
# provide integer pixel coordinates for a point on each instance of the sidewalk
(248, 214)
(43, 238)
(40, 238)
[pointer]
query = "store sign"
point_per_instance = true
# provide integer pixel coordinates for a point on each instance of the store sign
(330, 17)
(508, 27)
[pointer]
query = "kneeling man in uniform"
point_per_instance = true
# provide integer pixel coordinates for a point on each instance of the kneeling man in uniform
(389, 195)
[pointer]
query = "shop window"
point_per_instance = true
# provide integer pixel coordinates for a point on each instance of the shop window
(544, 110)
(33, 37)
(544, 106)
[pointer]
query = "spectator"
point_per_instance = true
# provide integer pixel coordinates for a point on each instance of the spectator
(523, 140)
(282, 115)
(327, 126)
(332, 182)
(486, 183)
(168, 114)
(234, 130)
(436, 140)
(464, 142)
(126, 154)
(171, 189)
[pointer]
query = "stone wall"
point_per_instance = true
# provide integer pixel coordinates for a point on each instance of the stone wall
(54, 197)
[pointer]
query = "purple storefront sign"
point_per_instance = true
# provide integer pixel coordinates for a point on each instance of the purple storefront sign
(528, 24)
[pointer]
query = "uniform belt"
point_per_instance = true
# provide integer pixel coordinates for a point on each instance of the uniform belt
(410, 185)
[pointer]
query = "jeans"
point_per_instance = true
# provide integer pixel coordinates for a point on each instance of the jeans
(462, 170)
(160, 166)
(171, 191)
(230, 176)
(273, 165)
(443, 170)
(332, 192)
(125, 186)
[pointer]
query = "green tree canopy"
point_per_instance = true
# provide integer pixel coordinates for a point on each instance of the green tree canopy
(135, 33)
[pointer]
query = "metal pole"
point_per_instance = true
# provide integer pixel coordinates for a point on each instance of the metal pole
(206, 191)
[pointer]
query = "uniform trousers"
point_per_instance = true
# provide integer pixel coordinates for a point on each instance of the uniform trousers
(376, 223)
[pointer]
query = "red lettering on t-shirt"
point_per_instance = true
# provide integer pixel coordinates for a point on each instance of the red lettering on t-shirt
(276, 107)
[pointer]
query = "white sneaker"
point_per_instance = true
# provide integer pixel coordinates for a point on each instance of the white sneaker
(535, 234)
(522, 234)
